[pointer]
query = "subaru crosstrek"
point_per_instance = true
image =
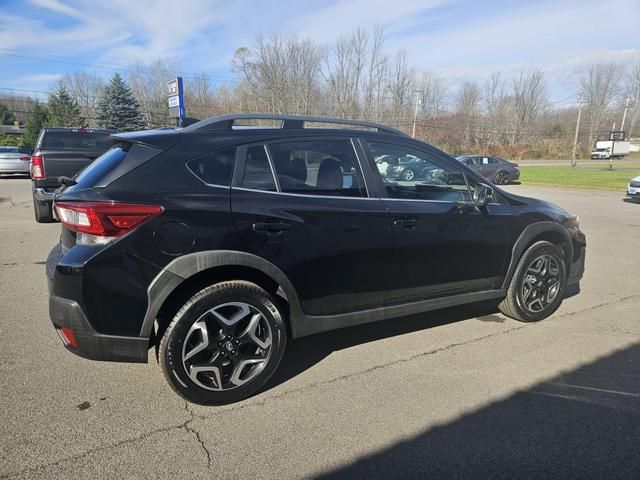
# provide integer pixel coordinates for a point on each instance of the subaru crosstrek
(218, 242)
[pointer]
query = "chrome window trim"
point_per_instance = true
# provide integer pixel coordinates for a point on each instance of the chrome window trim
(305, 195)
(272, 167)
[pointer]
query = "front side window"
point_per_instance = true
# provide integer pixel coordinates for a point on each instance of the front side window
(420, 176)
(326, 167)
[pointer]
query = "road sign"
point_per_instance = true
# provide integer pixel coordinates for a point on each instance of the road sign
(616, 135)
(175, 98)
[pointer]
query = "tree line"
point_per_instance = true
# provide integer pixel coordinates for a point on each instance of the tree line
(357, 77)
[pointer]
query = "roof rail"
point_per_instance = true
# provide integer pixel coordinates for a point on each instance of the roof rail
(226, 122)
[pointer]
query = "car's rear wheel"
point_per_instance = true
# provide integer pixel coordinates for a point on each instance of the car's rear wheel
(223, 344)
(537, 285)
(43, 211)
(501, 178)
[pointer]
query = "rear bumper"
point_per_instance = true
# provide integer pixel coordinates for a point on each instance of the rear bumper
(17, 166)
(43, 195)
(576, 271)
(93, 345)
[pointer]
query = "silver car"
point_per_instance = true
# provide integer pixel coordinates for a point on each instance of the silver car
(496, 169)
(14, 160)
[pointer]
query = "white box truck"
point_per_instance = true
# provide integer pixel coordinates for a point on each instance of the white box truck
(607, 149)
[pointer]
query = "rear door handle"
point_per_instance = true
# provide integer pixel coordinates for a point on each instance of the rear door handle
(408, 223)
(272, 227)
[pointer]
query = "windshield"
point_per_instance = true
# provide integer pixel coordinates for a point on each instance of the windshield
(80, 140)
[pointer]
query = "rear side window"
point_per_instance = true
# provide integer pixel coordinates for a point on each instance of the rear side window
(327, 167)
(257, 171)
(79, 140)
(214, 168)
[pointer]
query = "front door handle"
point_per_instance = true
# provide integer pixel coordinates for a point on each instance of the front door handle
(409, 223)
(272, 227)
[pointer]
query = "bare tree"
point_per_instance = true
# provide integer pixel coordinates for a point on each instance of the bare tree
(434, 91)
(497, 106)
(279, 73)
(402, 88)
(633, 91)
(599, 90)
(467, 102)
(529, 98)
(376, 77)
(86, 88)
(149, 85)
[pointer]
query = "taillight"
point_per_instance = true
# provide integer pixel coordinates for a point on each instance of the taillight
(37, 167)
(25, 159)
(98, 223)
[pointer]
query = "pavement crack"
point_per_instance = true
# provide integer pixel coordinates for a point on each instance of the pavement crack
(94, 450)
(196, 433)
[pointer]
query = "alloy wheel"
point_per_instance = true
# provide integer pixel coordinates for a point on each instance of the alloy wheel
(502, 178)
(227, 346)
(408, 175)
(541, 283)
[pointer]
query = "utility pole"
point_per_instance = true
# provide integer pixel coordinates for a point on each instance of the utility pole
(633, 117)
(575, 138)
(415, 113)
(624, 115)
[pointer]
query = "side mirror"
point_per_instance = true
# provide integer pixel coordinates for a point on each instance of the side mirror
(482, 194)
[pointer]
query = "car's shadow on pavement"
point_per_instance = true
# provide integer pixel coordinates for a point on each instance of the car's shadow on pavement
(303, 353)
(584, 423)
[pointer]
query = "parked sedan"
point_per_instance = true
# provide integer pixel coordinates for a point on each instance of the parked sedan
(14, 160)
(496, 169)
(633, 189)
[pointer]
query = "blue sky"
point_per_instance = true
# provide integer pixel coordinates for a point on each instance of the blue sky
(456, 39)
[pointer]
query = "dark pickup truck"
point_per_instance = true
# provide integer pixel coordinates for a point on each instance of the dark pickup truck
(62, 152)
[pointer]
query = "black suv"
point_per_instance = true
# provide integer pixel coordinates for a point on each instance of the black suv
(217, 242)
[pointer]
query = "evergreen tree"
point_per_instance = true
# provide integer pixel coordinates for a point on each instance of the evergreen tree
(36, 120)
(6, 117)
(64, 110)
(118, 108)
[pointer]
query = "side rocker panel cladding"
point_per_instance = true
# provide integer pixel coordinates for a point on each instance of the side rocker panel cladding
(186, 266)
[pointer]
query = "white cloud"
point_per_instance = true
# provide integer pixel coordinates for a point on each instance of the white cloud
(56, 6)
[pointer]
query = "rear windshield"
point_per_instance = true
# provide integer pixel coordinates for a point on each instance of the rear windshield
(100, 167)
(75, 141)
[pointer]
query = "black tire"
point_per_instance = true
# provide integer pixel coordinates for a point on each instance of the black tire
(43, 211)
(172, 346)
(514, 305)
(501, 178)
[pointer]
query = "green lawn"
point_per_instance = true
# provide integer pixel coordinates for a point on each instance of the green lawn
(582, 176)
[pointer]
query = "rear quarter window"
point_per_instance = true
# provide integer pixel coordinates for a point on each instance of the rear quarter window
(214, 168)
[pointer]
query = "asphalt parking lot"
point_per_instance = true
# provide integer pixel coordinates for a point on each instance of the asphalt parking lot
(463, 393)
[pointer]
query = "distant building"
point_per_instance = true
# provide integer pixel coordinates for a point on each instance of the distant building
(16, 129)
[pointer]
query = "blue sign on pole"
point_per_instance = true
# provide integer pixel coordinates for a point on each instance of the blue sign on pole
(176, 98)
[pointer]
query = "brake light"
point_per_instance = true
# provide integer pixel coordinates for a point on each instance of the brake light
(25, 159)
(36, 169)
(98, 223)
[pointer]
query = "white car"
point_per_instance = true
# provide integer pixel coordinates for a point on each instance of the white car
(633, 189)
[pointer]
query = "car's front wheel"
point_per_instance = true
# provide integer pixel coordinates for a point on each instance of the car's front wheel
(223, 344)
(537, 285)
